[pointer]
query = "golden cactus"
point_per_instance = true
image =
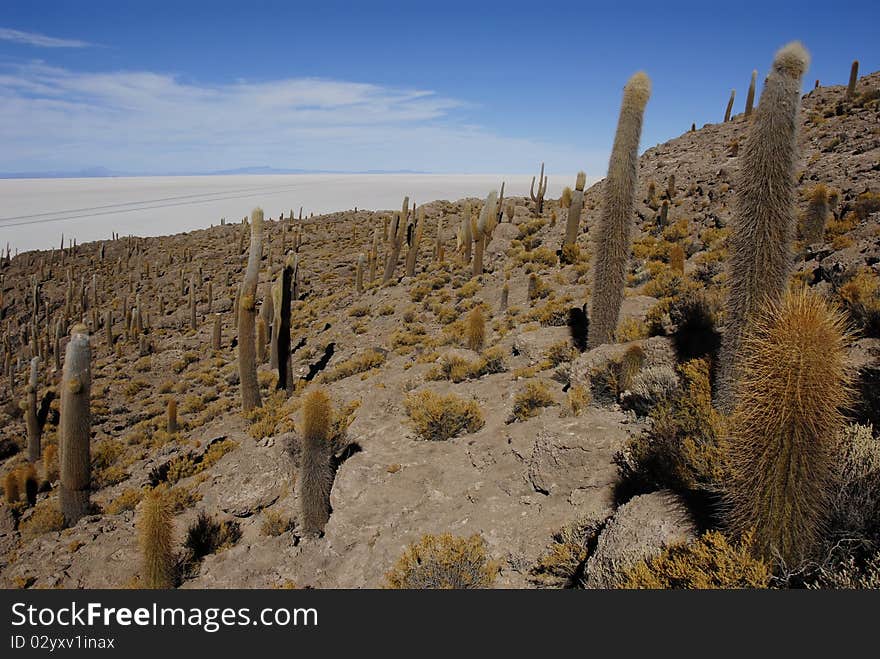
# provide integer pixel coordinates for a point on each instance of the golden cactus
(782, 445)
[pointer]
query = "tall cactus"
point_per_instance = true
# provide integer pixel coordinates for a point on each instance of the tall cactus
(395, 241)
(782, 448)
(853, 79)
(485, 224)
(729, 106)
(155, 532)
(374, 254)
(466, 232)
(247, 306)
(217, 336)
(813, 227)
(75, 427)
(572, 223)
(763, 223)
(359, 273)
(281, 337)
(538, 196)
(415, 238)
(33, 424)
(750, 96)
(315, 475)
(615, 222)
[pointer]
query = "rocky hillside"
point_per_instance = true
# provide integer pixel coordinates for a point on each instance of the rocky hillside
(540, 461)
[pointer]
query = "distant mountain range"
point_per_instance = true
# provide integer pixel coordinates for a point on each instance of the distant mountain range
(103, 172)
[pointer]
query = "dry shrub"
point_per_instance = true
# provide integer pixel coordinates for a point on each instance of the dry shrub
(128, 500)
(275, 523)
(443, 562)
(578, 400)
(861, 300)
(560, 566)
(207, 536)
(437, 417)
(361, 363)
(855, 502)
(682, 450)
(711, 561)
(46, 518)
(530, 400)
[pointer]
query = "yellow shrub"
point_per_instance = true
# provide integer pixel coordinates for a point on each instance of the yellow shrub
(711, 561)
(443, 562)
(366, 360)
(437, 417)
(46, 518)
(530, 400)
(631, 329)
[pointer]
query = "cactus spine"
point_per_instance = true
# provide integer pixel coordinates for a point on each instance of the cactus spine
(763, 223)
(33, 424)
(853, 79)
(75, 427)
(783, 439)
(247, 358)
(155, 532)
(315, 475)
(750, 96)
(615, 221)
(538, 197)
(729, 106)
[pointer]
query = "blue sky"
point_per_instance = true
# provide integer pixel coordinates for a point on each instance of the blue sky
(442, 86)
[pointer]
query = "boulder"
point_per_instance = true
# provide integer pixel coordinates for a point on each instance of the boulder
(639, 530)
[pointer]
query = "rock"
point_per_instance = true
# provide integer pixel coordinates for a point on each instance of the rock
(249, 479)
(659, 351)
(637, 306)
(500, 243)
(639, 530)
(535, 344)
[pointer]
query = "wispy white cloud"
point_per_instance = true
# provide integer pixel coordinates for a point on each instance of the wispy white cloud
(54, 118)
(40, 40)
